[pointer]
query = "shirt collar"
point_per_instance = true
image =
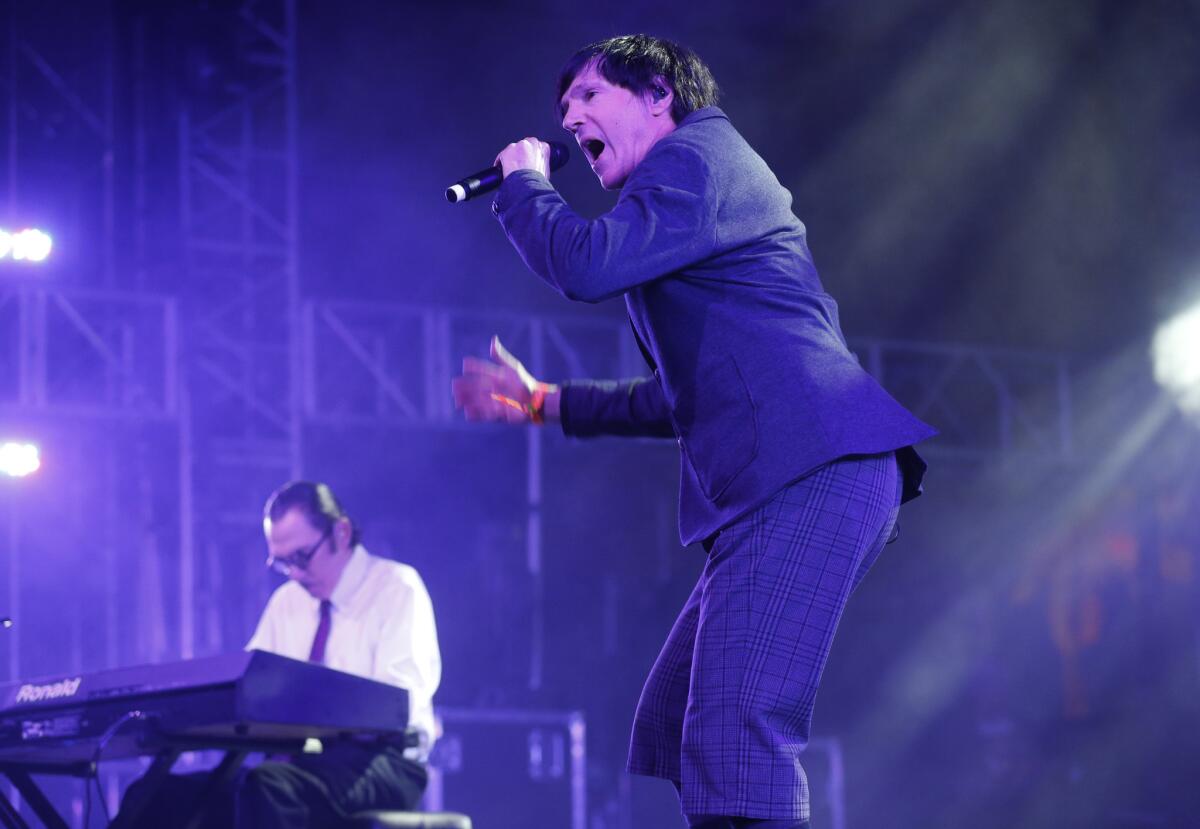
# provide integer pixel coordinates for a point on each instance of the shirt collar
(352, 576)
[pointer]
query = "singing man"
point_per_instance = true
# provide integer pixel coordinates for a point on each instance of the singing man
(793, 460)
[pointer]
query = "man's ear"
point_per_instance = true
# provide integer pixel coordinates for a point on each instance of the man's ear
(343, 531)
(662, 97)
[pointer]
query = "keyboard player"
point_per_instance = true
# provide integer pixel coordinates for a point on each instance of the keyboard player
(351, 611)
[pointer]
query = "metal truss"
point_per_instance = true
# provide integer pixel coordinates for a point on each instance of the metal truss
(392, 365)
(56, 122)
(988, 403)
(238, 201)
(56, 108)
(70, 352)
(83, 353)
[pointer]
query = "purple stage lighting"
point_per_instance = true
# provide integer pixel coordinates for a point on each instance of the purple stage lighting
(19, 460)
(1176, 352)
(27, 245)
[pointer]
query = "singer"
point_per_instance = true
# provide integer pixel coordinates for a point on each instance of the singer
(794, 461)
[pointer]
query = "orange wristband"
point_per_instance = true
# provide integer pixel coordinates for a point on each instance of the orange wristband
(537, 404)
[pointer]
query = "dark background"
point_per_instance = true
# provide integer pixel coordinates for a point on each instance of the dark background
(1007, 174)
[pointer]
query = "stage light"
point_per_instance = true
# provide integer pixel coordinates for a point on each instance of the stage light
(27, 245)
(1176, 354)
(19, 460)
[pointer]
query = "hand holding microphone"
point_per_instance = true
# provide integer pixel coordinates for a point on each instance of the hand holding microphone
(526, 154)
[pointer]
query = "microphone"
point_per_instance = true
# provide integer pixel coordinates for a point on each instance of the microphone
(487, 180)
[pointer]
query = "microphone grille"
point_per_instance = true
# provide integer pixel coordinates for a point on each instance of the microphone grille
(559, 154)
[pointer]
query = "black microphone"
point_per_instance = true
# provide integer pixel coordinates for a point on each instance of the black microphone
(487, 180)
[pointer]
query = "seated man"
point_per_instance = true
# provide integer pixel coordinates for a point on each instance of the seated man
(354, 612)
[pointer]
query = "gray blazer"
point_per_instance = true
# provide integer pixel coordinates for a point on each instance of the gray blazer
(752, 375)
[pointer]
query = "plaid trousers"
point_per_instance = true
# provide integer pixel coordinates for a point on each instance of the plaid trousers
(727, 708)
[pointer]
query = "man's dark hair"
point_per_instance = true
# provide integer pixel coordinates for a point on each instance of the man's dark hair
(315, 501)
(633, 61)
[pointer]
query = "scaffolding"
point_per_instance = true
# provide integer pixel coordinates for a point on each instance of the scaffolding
(240, 414)
(65, 352)
(393, 364)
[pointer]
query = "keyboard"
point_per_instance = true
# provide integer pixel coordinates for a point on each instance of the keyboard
(250, 700)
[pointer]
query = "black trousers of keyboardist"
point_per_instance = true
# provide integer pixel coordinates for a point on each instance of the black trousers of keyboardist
(310, 792)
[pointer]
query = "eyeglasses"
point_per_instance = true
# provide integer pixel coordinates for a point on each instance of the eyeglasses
(298, 560)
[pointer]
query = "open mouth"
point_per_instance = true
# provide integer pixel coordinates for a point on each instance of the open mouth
(593, 147)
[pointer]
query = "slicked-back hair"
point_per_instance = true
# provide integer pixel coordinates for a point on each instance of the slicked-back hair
(633, 61)
(314, 500)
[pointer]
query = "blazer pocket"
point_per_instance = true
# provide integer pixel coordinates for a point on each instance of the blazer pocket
(718, 427)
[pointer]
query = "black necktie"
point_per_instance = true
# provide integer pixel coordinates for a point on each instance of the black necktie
(317, 654)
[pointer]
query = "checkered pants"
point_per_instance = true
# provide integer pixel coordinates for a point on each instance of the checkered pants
(726, 710)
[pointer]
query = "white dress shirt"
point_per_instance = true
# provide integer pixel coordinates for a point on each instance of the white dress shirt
(381, 627)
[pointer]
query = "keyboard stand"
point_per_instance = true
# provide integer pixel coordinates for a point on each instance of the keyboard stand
(236, 752)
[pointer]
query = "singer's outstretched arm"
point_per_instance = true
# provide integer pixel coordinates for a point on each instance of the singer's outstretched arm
(502, 390)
